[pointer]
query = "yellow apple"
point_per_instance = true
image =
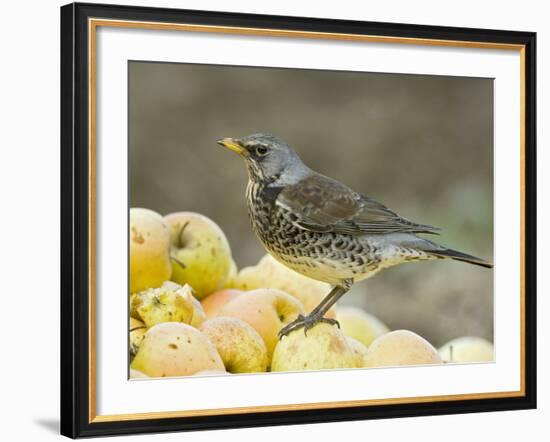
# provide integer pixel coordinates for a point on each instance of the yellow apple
(162, 304)
(213, 303)
(149, 250)
(269, 273)
(467, 349)
(175, 349)
(360, 325)
(201, 251)
(401, 347)
(266, 310)
(359, 350)
(241, 348)
(211, 373)
(137, 331)
(188, 293)
(324, 347)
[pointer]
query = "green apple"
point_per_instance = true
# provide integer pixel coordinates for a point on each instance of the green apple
(270, 273)
(241, 348)
(231, 275)
(149, 250)
(360, 325)
(200, 251)
(401, 347)
(467, 349)
(324, 347)
(175, 349)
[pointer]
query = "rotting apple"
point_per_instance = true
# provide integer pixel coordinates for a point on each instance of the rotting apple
(188, 293)
(163, 304)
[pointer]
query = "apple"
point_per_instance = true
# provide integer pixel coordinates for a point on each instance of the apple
(175, 349)
(200, 251)
(270, 273)
(162, 304)
(359, 350)
(187, 292)
(149, 250)
(211, 373)
(213, 303)
(240, 346)
(401, 347)
(199, 315)
(467, 349)
(360, 325)
(137, 374)
(137, 331)
(231, 275)
(324, 347)
(266, 310)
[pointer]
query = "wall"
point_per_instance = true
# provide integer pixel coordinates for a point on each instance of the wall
(29, 173)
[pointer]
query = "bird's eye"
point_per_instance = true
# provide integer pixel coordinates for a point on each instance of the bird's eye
(261, 151)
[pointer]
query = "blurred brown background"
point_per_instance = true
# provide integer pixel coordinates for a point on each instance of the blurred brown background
(422, 145)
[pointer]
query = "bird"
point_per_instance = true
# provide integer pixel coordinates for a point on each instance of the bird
(323, 229)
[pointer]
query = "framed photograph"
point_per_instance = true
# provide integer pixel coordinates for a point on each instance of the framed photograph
(274, 220)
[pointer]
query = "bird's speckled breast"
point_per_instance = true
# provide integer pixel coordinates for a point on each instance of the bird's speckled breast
(327, 257)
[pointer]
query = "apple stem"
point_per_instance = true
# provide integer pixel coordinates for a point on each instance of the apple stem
(180, 242)
(178, 262)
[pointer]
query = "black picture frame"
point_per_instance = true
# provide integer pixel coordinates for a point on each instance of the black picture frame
(75, 221)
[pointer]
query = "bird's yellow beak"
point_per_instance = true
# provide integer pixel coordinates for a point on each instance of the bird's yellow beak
(232, 144)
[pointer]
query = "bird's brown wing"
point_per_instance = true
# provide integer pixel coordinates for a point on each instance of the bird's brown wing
(321, 204)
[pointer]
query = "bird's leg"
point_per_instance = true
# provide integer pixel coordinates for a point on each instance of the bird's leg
(331, 299)
(317, 314)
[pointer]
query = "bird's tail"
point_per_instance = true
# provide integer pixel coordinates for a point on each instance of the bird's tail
(459, 256)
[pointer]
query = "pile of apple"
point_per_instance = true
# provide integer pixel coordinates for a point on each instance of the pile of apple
(193, 313)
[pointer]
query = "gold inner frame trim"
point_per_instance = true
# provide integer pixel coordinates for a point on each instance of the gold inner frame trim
(292, 407)
(93, 24)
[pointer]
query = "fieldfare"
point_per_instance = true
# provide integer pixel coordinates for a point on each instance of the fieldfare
(321, 228)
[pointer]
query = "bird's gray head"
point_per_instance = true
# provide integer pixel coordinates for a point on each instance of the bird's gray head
(267, 158)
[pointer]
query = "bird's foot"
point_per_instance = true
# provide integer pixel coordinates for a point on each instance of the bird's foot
(306, 322)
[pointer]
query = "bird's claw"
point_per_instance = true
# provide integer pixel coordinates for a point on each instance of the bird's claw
(294, 325)
(306, 322)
